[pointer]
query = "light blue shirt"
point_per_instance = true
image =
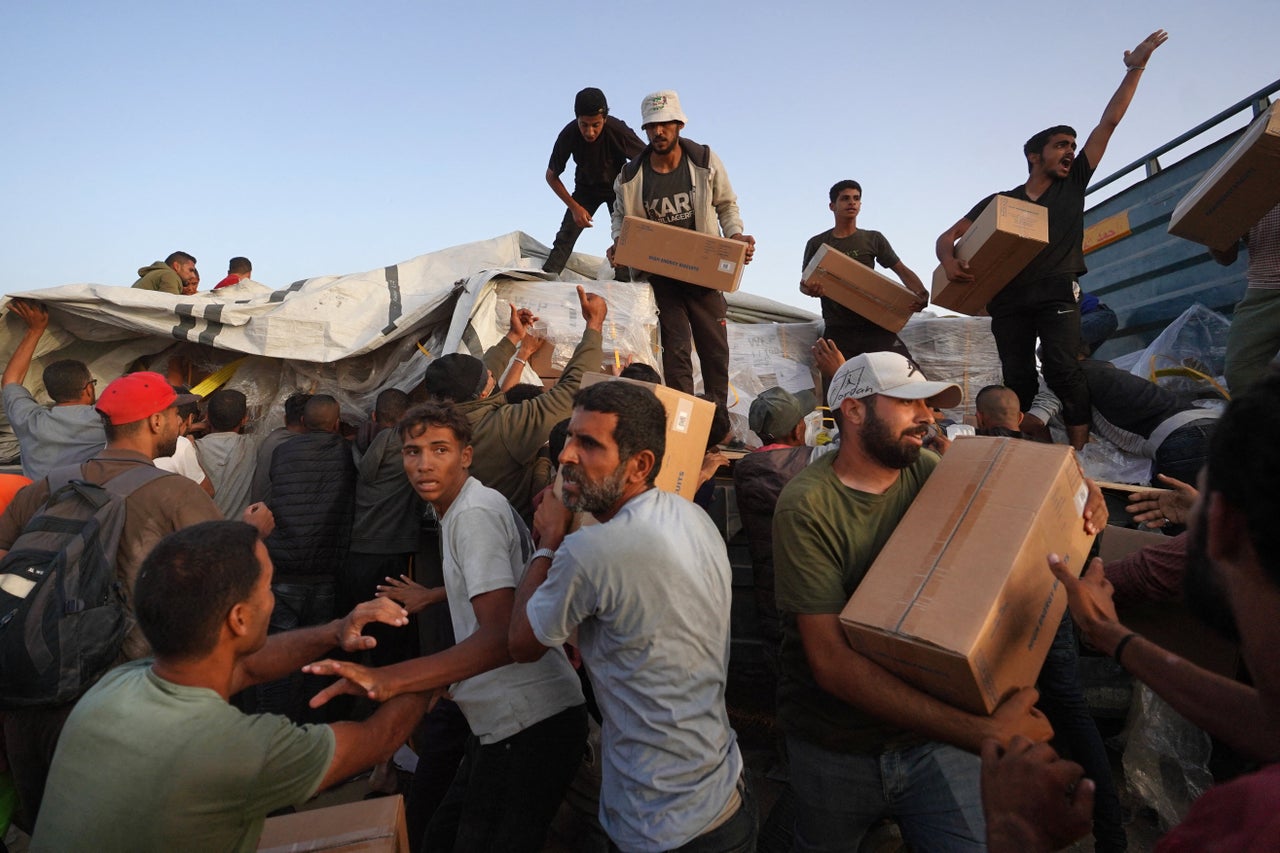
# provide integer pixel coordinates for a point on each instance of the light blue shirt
(51, 436)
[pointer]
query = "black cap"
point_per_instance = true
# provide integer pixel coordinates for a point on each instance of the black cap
(589, 102)
(457, 377)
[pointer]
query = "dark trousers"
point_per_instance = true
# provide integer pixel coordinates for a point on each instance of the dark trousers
(1057, 325)
(691, 316)
(441, 739)
(590, 198)
(1062, 701)
(298, 605)
(866, 337)
(358, 581)
(30, 737)
(1183, 453)
(506, 793)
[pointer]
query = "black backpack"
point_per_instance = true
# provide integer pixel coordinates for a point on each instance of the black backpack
(62, 611)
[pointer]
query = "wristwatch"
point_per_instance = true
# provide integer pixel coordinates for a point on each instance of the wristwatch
(543, 552)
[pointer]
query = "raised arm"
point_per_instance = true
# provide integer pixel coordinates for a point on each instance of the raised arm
(37, 319)
(1135, 62)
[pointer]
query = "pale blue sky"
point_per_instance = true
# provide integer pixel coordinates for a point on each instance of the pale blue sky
(322, 138)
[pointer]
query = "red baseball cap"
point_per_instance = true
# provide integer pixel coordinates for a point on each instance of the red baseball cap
(135, 396)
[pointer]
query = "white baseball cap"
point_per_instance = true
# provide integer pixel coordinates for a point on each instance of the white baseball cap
(660, 107)
(892, 375)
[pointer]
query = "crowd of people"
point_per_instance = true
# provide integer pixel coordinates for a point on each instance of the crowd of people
(485, 569)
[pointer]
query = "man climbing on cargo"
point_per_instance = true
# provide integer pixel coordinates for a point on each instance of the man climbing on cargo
(1043, 300)
(678, 182)
(169, 276)
(600, 145)
(853, 333)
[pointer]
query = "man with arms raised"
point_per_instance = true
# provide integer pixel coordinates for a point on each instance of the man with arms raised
(862, 743)
(648, 591)
(528, 721)
(155, 758)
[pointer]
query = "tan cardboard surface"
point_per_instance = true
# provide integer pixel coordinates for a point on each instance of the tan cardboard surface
(1240, 188)
(863, 290)
(1003, 240)
(688, 428)
(681, 253)
(961, 601)
(369, 826)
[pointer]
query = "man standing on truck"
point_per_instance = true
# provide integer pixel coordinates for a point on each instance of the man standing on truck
(1043, 300)
(1254, 337)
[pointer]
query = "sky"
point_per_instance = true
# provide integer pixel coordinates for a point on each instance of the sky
(325, 138)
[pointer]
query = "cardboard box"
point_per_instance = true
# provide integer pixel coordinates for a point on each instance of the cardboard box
(998, 246)
(681, 253)
(1231, 197)
(960, 601)
(368, 826)
(860, 288)
(688, 428)
(1168, 624)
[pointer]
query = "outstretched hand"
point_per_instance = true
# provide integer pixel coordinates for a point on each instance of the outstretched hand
(521, 320)
(1032, 799)
(1017, 716)
(594, 308)
(1090, 600)
(1162, 508)
(1137, 58)
(413, 595)
(827, 356)
(34, 314)
(353, 680)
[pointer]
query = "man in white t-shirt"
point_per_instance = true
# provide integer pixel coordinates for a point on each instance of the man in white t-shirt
(648, 590)
(185, 460)
(528, 720)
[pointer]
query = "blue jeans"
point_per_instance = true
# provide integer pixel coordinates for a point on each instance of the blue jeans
(931, 790)
(1184, 452)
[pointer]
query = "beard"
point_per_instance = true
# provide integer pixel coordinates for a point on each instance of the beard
(167, 446)
(595, 497)
(885, 447)
(1201, 585)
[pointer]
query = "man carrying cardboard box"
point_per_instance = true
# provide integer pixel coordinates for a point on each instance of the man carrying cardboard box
(863, 744)
(1042, 300)
(154, 757)
(678, 182)
(853, 333)
(648, 590)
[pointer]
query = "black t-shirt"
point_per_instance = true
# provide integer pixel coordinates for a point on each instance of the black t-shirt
(599, 162)
(668, 198)
(1048, 277)
(862, 245)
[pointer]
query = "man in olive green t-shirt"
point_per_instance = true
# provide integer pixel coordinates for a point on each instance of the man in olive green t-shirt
(154, 758)
(862, 743)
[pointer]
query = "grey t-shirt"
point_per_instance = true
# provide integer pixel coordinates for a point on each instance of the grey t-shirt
(649, 592)
(668, 198)
(146, 764)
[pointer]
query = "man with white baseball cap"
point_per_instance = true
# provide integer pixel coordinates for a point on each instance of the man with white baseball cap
(678, 182)
(862, 743)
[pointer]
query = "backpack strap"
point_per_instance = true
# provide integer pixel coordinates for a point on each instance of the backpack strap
(123, 485)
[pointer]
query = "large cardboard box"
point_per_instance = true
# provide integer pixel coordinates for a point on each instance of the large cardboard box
(1168, 624)
(681, 253)
(1240, 188)
(688, 428)
(1003, 240)
(368, 826)
(961, 602)
(860, 288)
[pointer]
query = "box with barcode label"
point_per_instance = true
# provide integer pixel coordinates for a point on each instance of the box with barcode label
(681, 253)
(960, 601)
(688, 429)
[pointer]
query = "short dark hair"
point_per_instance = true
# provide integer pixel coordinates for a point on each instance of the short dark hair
(65, 379)
(643, 372)
(321, 412)
(436, 413)
(239, 265)
(1036, 144)
(1244, 464)
(190, 581)
(179, 258)
(524, 391)
(390, 406)
(841, 186)
(642, 420)
(226, 409)
(119, 431)
(187, 410)
(294, 406)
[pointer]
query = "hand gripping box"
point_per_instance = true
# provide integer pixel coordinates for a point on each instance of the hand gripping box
(863, 290)
(961, 602)
(681, 253)
(688, 428)
(1006, 236)
(1238, 191)
(369, 826)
